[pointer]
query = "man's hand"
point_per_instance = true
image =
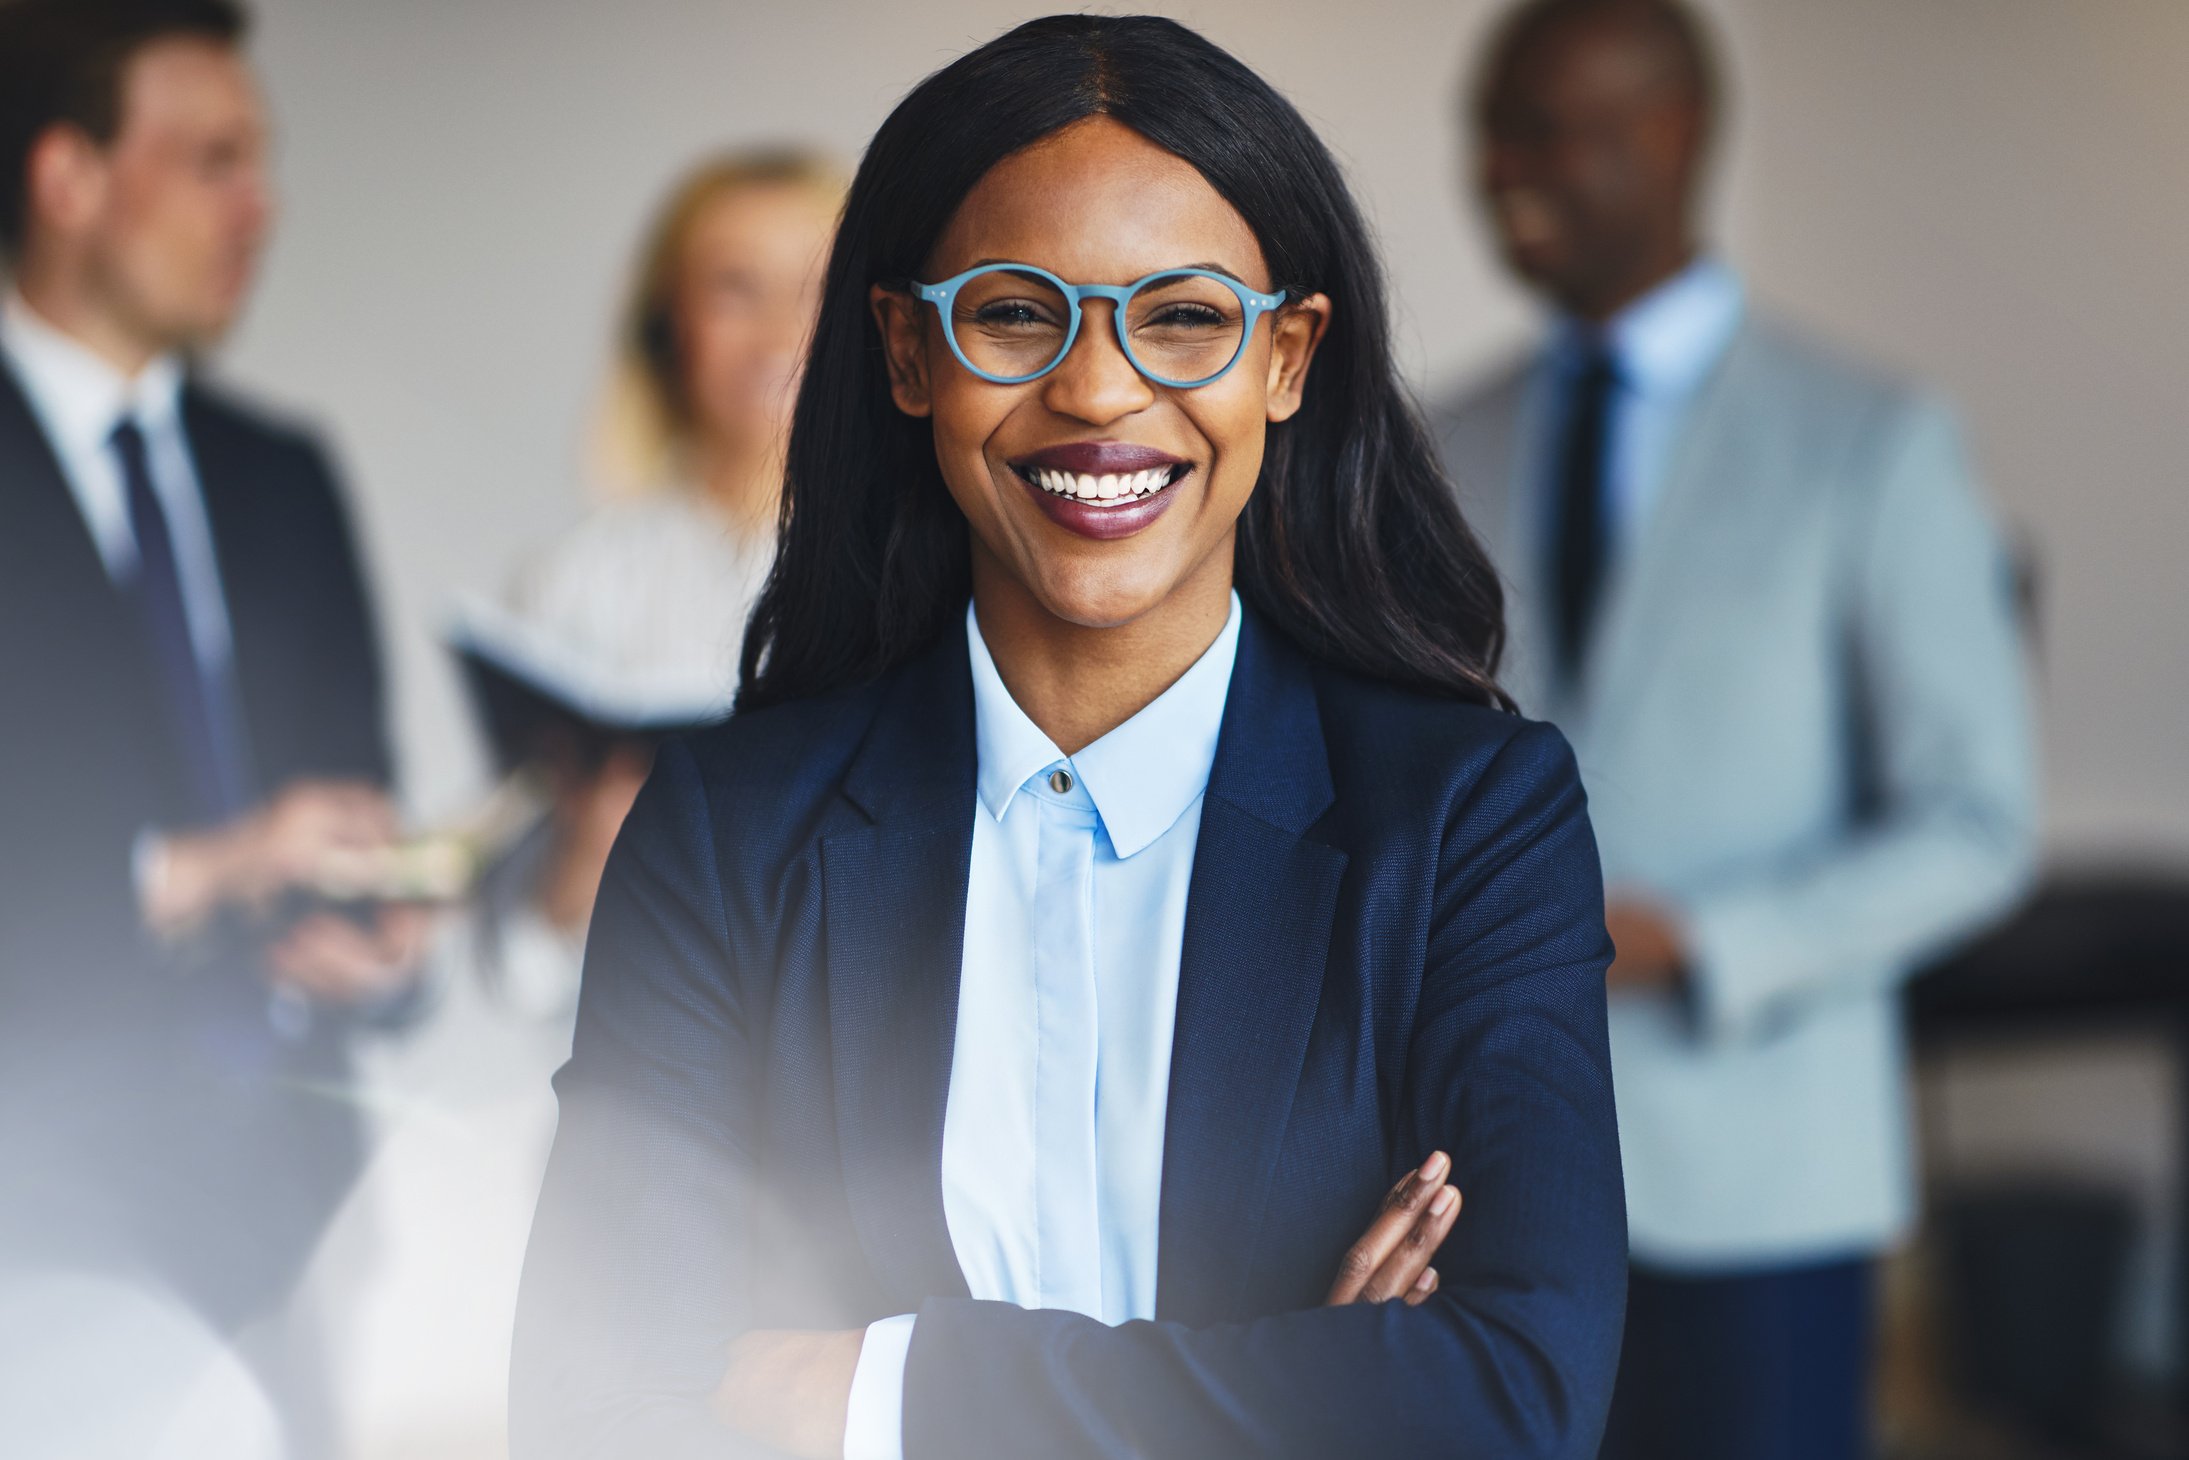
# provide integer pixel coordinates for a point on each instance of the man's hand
(1650, 951)
(791, 1390)
(1391, 1260)
(252, 860)
(335, 958)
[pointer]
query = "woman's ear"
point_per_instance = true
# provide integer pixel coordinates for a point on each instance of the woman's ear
(1294, 332)
(903, 324)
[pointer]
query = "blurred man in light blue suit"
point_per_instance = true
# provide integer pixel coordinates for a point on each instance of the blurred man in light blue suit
(1755, 583)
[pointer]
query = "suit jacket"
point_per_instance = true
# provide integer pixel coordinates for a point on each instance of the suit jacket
(1393, 944)
(1803, 725)
(146, 1096)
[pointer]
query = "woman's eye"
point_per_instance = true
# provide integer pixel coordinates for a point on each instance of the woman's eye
(1012, 313)
(1187, 316)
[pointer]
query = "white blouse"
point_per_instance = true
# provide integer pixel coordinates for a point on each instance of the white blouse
(644, 602)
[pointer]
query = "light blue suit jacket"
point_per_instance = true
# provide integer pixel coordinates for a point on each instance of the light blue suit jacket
(1804, 727)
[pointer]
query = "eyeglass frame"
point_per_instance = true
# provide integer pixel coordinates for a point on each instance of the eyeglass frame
(1253, 302)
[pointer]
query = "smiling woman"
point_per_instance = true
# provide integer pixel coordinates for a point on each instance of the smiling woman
(1056, 1014)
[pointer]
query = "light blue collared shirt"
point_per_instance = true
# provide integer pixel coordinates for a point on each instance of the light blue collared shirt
(1075, 917)
(1663, 347)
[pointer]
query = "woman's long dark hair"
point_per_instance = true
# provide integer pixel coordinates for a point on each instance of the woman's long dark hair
(1352, 543)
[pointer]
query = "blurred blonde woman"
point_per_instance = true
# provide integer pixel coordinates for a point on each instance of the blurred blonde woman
(623, 628)
(637, 613)
(714, 329)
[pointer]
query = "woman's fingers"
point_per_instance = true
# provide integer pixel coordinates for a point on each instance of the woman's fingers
(1396, 1232)
(1409, 1261)
(1422, 1288)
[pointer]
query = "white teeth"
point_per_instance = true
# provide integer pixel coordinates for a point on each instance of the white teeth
(1105, 488)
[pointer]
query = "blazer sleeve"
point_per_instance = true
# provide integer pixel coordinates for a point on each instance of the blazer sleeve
(1513, 1356)
(636, 1270)
(1938, 682)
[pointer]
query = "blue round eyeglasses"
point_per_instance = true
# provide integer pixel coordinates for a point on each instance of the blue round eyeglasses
(1011, 323)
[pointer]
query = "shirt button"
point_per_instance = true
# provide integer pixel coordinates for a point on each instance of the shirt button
(1060, 781)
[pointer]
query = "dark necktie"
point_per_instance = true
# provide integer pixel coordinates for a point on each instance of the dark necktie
(1581, 541)
(201, 707)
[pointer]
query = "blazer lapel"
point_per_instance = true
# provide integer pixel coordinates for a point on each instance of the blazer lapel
(1657, 563)
(74, 629)
(1258, 920)
(223, 462)
(46, 530)
(894, 891)
(232, 472)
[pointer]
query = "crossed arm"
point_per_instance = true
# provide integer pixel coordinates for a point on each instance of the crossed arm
(790, 1389)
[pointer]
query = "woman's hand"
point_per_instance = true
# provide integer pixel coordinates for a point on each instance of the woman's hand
(1391, 1260)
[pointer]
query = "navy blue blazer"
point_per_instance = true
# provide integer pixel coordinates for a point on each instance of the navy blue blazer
(1394, 943)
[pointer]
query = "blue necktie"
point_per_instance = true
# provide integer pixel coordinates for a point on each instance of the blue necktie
(1581, 550)
(201, 706)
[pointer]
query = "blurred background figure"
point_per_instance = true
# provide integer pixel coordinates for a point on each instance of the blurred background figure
(624, 629)
(635, 616)
(1754, 581)
(191, 720)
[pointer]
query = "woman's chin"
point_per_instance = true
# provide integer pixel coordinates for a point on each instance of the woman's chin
(1102, 601)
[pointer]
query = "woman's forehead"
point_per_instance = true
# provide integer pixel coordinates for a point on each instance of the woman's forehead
(765, 222)
(1098, 204)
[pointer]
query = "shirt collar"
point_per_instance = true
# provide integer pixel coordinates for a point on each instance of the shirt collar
(1143, 775)
(1666, 341)
(79, 396)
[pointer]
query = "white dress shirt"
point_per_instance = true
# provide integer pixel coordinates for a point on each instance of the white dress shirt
(1075, 916)
(79, 399)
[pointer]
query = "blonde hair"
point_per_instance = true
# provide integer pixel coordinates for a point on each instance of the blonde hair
(643, 439)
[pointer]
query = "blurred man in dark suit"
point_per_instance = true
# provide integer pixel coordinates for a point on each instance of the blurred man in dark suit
(191, 715)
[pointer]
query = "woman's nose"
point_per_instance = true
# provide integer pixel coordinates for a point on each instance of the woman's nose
(1096, 381)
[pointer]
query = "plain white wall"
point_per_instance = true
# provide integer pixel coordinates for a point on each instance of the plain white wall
(1986, 192)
